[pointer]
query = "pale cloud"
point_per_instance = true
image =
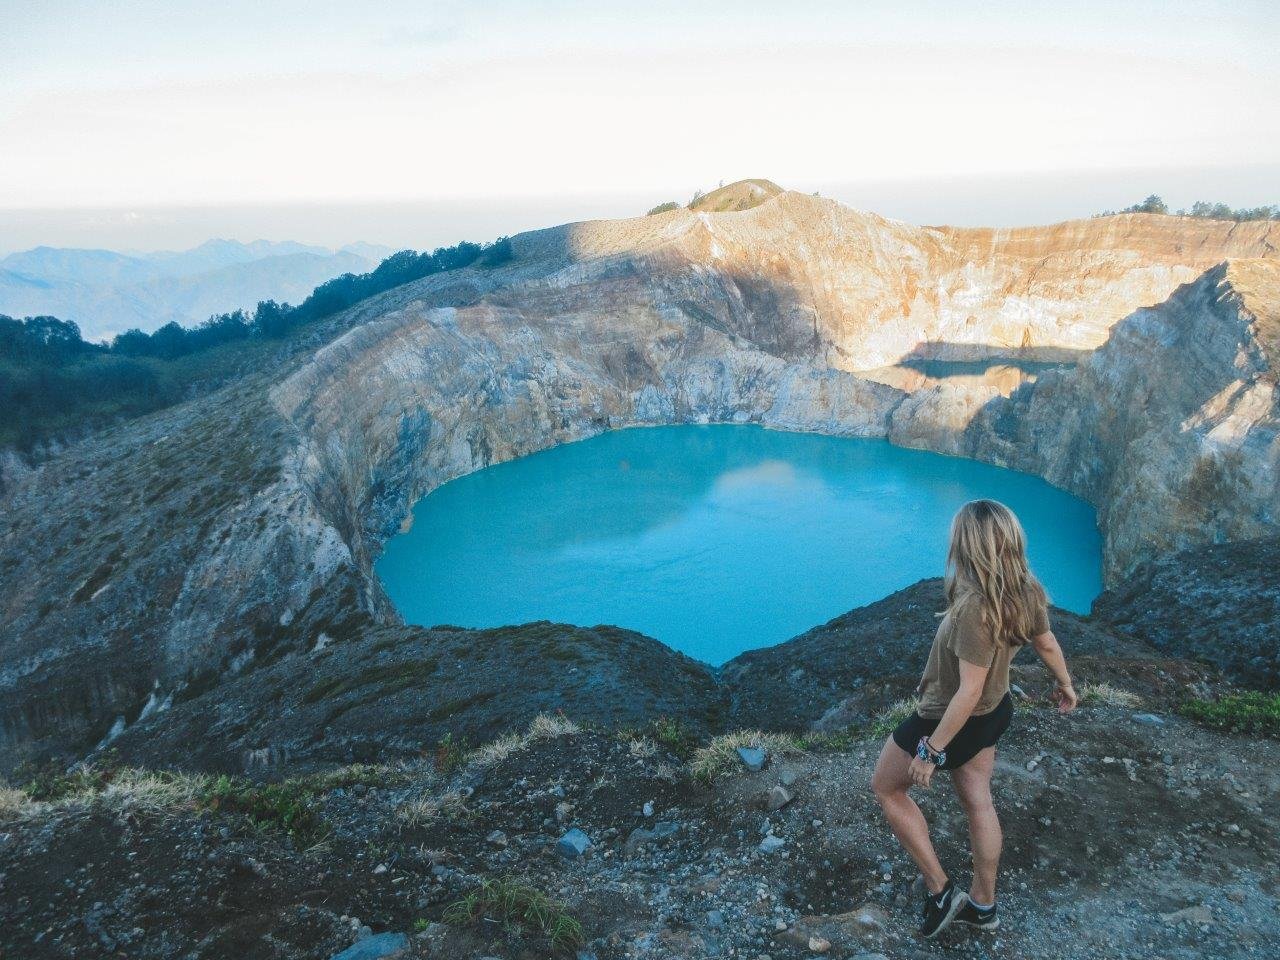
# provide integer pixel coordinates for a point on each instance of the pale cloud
(591, 122)
(149, 104)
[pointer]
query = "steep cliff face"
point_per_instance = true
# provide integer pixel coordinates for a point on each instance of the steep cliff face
(767, 315)
(1172, 428)
(856, 291)
(188, 547)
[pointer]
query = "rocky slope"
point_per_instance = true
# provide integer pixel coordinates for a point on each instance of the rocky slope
(1217, 603)
(211, 540)
(690, 854)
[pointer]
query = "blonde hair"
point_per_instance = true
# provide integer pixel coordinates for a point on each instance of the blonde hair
(987, 561)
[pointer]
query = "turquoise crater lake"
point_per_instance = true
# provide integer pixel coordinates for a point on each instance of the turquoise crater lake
(712, 539)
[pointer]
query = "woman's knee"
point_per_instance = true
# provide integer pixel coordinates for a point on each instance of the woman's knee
(885, 786)
(975, 799)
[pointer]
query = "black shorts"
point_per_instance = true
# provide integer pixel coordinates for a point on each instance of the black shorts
(978, 733)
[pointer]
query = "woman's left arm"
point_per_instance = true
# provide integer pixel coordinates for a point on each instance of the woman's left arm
(960, 709)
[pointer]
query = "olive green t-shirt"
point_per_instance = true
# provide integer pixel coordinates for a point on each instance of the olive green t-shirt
(962, 635)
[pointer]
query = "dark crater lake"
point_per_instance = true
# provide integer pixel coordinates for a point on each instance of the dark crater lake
(713, 539)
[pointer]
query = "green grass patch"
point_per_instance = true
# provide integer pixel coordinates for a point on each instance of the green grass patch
(1251, 712)
(450, 754)
(50, 783)
(289, 806)
(514, 903)
(675, 735)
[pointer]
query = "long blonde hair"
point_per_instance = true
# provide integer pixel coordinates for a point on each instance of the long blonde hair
(987, 559)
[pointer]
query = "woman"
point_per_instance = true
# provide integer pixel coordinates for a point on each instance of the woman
(995, 606)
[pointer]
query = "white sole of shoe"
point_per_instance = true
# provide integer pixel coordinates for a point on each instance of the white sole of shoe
(957, 904)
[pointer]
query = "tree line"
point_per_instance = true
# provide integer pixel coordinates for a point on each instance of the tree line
(54, 383)
(1201, 209)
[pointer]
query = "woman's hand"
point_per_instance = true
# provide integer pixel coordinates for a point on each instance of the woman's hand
(1064, 695)
(921, 772)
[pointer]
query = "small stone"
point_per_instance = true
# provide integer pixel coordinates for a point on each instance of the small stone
(787, 778)
(647, 809)
(1236, 896)
(819, 944)
(715, 918)
(384, 946)
(380, 869)
(497, 839)
(870, 917)
(753, 758)
(771, 843)
(1150, 719)
(640, 836)
(1198, 914)
(573, 844)
(778, 798)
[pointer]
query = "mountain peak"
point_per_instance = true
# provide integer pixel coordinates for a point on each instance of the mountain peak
(740, 195)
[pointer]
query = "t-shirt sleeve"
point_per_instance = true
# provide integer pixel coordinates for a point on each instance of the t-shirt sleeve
(971, 638)
(1040, 623)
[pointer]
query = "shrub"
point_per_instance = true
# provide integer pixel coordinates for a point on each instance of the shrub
(52, 782)
(510, 901)
(450, 754)
(1251, 712)
(663, 208)
(289, 806)
(671, 733)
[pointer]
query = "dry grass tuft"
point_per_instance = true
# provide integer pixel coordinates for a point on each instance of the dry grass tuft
(427, 808)
(720, 755)
(133, 788)
(15, 804)
(1111, 696)
(887, 719)
(545, 726)
(642, 748)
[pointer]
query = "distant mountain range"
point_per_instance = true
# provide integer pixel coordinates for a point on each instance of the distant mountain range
(106, 292)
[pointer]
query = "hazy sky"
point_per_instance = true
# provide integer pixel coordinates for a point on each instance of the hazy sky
(305, 107)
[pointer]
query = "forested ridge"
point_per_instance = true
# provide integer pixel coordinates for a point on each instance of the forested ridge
(55, 385)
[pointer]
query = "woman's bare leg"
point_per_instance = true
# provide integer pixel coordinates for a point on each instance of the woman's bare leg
(973, 787)
(890, 784)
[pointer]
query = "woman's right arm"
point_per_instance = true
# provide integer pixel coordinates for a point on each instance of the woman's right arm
(1050, 652)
